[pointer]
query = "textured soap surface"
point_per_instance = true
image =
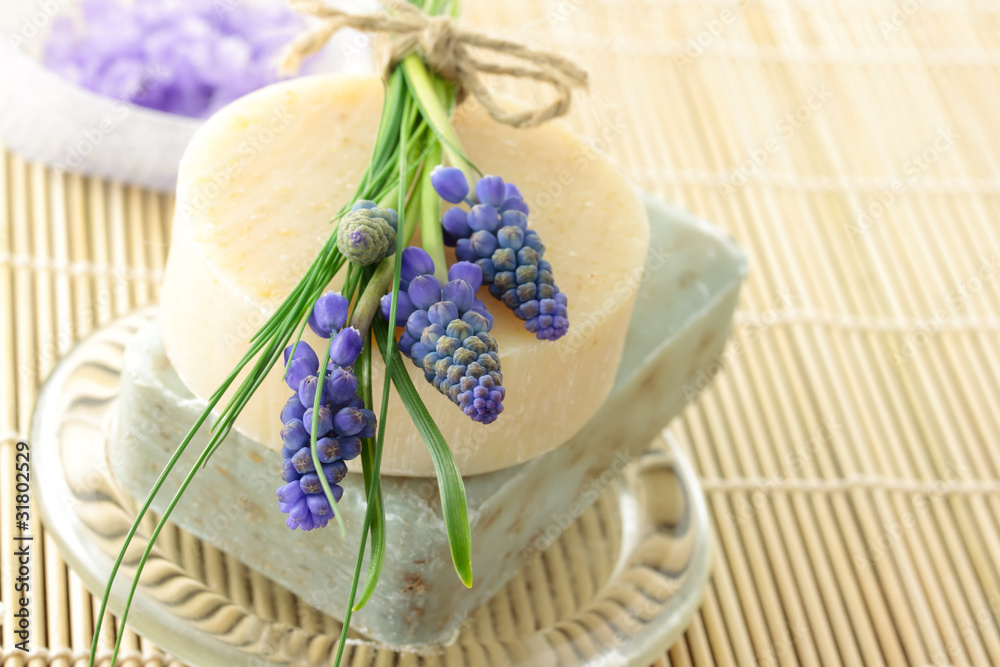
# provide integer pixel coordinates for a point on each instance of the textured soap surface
(256, 191)
(682, 315)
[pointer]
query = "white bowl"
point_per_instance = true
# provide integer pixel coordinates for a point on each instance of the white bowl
(48, 119)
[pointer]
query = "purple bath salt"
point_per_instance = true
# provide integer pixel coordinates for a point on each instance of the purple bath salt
(186, 57)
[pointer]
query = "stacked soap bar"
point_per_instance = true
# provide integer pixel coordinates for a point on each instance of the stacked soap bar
(247, 228)
(683, 312)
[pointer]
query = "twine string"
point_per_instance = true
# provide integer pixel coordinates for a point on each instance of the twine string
(448, 51)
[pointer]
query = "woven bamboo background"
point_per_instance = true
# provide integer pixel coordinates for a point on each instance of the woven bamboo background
(850, 448)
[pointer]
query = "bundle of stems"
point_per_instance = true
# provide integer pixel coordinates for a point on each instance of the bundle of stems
(414, 135)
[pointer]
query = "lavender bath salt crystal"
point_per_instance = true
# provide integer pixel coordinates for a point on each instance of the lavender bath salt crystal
(186, 57)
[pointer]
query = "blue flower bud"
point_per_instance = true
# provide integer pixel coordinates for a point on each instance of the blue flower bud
(406, 341)
(294, 434)
(293, 409)
(450, 183)
(424, 291)
(455, 221)
(514, 219)
(467, 271)
(324, 424)
(491, 190)
(319, 505)
(307, 391)
(514, 204)
(298, 369)
(416, 323)
(463, 251)
(483, 243)
(511, 190)
(363, 203)
(302, 460)
(442, 312)
(350, 446)
(459, 293)
(329, 314)
(327, 449)
(288, 471)
(348, 421)
(511, 238)
(370, 428)
(416, 262)
(289, 493)
(334, 471)
(302, 350)
(483, 217)
(346, 347)
(404, 308)
(477, 321)
(341, 386)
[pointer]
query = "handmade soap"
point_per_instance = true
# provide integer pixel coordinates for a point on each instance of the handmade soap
(257, 189)
(675, 336)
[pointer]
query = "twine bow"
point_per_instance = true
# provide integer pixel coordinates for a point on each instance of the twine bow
(447, 48)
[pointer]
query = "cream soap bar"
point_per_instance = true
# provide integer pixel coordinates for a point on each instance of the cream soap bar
(256, 192)
(682, 315)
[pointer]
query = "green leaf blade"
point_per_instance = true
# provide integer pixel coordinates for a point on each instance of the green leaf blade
(454, 505)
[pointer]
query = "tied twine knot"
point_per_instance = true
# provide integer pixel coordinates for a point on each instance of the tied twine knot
(447, 48)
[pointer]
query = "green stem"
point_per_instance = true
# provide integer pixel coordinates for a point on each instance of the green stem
(368, 302)
(435, 113)
(321, 377)
(431, 234)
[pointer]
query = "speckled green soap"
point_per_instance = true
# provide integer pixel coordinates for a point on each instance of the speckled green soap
(678, 328)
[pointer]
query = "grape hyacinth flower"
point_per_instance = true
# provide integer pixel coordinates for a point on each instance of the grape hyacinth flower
(494, 235)
(368, 233)
(342, 420)
(447, 334)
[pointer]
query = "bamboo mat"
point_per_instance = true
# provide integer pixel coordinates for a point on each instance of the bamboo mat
(849, 447)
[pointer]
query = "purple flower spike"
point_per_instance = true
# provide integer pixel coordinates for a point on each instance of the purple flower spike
(424, 291)
(450, 183)
(329, 314)
(404, 308)
(468, 272)
(345, 347)
(490, 190)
